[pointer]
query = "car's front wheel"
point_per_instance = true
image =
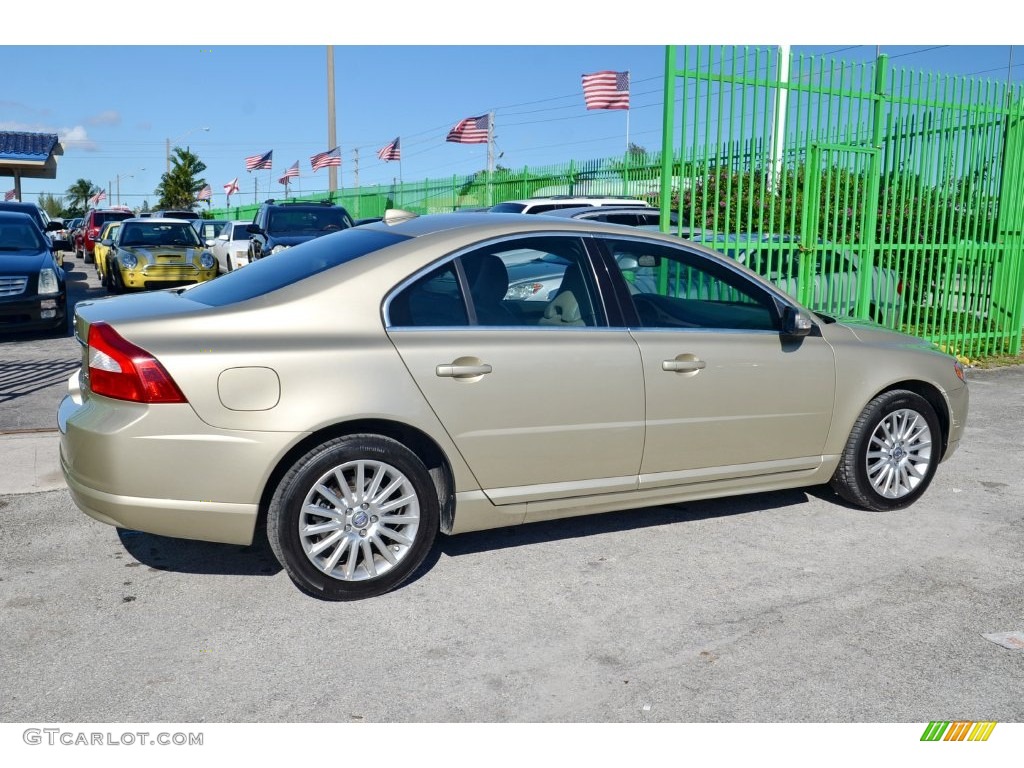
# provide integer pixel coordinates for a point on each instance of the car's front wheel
(892, 452)
(353, 518)
(114, 282)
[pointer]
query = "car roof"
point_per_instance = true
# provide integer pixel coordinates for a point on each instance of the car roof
(495, 225)
(15, 216)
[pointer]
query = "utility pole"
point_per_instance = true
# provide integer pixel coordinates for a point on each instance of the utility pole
(332, 175)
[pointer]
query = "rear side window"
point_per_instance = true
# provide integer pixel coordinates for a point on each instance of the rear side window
(298, 263)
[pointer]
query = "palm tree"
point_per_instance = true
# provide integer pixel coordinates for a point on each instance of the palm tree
(79, 194)
(178, 187)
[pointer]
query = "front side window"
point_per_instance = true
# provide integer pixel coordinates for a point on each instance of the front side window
(531, 281)
(675, 288)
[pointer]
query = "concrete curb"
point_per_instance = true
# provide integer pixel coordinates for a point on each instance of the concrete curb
(30, 463)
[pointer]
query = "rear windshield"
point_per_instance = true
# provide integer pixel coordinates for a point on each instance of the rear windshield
(292, 265)
(508, 208)
(295, 220)
(99, 219)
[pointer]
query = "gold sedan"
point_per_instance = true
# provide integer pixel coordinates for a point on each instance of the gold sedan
(386, 383)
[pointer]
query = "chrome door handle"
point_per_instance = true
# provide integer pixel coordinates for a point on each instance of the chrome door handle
(682, 366)
(462, 371)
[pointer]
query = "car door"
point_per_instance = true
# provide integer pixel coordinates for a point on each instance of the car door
(727, 395)
(542, 405)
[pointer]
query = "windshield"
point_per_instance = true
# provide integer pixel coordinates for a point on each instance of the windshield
(153, 233)
(20, 236)
(307, 220)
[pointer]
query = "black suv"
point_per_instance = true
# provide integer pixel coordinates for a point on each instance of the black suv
(280, 224)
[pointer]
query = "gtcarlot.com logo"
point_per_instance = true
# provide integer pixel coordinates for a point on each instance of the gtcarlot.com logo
(57, 736)
(944, 730)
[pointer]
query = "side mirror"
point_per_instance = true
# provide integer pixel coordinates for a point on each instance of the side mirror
(796, 323)
(53, 226)
(210, 243)
(254, 229)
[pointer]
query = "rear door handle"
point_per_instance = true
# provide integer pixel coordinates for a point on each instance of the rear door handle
(462, 371)
(682, 366)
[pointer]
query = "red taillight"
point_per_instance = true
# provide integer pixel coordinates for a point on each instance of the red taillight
(119, 369)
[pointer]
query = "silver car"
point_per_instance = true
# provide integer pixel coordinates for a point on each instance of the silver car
(377, 387)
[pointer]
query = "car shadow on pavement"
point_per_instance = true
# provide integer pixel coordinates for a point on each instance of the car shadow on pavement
(610, 522)
(163, 553)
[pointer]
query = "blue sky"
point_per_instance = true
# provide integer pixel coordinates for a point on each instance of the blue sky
(115, 106)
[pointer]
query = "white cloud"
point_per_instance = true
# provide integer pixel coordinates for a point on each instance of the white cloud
(77, 138)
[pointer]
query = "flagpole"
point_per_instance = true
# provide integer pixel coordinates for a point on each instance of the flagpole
(490, 158)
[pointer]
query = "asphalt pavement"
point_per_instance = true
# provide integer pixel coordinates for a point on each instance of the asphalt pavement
(781, 607)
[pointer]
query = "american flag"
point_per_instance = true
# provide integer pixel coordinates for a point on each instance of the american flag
(471, 130)
(391, 152)
(259, 162)
(205, 193)
(98, 198)
(292, 172)
(231, 187)
(324, 159)
(606, 90)
(9, 195)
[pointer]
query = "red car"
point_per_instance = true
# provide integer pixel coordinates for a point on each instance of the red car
(93, 225)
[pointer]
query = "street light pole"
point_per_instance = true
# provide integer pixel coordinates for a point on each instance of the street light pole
(187, 133)
(117, 180)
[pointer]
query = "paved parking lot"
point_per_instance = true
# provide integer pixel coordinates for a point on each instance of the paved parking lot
(766, 608)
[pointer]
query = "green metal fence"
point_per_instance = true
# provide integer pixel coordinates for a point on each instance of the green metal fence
(882, 193)
(862, 190)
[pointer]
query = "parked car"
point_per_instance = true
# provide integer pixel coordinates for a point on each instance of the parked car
(102, 248)
(33, 294)
(95, 218)
(377, 388)
(555, 202)
(157, 253)
(208, 229)
(75, 234)
(184, 214)
(46, 226)
(834, 291)
(281, 224)
(231, 246)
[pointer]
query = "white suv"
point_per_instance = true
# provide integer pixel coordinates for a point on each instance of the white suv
(545, 204)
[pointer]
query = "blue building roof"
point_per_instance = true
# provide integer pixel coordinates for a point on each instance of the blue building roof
(27, 147)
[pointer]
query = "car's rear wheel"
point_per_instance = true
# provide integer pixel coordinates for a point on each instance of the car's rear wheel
(892, 452)
(353, 518)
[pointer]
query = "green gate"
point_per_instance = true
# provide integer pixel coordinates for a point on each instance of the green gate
(862, 190)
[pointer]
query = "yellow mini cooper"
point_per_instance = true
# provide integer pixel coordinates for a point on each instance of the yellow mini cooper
(102, 248)
(158, 253)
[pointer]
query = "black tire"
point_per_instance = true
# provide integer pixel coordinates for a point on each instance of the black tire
(892, 453)
(114, 283)
(361, 551)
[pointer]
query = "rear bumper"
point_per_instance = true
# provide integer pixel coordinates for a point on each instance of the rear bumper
(161, 469)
